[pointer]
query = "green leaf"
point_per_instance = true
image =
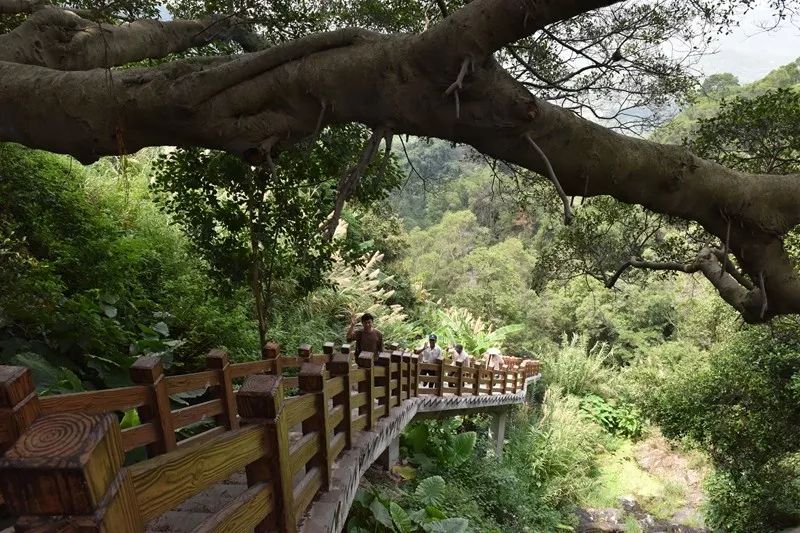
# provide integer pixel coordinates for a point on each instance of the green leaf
(401, 520)
(430, 490)
(463, 446)
(130, 419)
(109, 310)
(448, 525)
(381, 513)
(407, 472)
(162, 328)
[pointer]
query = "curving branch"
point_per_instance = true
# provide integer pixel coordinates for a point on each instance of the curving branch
(255, 104)
(62, 39)
(730, 289)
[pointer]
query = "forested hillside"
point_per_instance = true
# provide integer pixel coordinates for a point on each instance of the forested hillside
(165, 252)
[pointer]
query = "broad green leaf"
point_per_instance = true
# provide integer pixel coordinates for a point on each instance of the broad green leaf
(463, 446)
(407, 472)
(430, 490)
(401, 520)
(381, 513)
(162, 328)
(109, 310)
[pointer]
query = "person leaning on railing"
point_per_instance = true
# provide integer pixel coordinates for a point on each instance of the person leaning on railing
(492, 359)
(431, 354)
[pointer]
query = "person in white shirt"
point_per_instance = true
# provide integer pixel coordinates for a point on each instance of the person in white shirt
(430, 354)
(460, 355)
(493, 359)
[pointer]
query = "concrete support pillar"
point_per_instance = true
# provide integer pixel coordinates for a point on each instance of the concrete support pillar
(391, 455)
(499, 431)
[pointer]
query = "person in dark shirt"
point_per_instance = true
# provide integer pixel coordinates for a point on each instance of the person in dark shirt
(368, 339)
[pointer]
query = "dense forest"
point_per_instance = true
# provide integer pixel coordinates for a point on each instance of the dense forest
(655, 281)
(153, 254)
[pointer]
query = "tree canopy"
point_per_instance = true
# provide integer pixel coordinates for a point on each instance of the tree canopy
(513, 79)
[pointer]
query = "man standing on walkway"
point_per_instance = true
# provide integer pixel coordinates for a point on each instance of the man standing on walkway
(368, 339)
(460, 355)
(431, 354)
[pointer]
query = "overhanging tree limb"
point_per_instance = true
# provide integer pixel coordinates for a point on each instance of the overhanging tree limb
(263, 101)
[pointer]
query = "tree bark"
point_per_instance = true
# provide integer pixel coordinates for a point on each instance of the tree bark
(442, 83)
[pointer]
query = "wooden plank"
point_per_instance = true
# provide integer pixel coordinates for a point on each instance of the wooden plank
(195, 413)
(335, 416)
(165, 481)
(359, 423)
(302, 452)
(337, 445)
(359, 374)
(96, 402)
(334, 385)
(380, 392)
(290, 382)
(450, 390)
(244, 513)
(190, 382)
(379, 371)
(357, 400)
(300, 408)
(240, 370)
(140, 435)
(200, 438)
(379, 411)
(305, 491)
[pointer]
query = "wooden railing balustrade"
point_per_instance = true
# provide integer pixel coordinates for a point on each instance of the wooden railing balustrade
(64, 456)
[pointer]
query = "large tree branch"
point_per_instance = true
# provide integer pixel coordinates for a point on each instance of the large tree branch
(61, 39)
(738, 296)
(256, 103)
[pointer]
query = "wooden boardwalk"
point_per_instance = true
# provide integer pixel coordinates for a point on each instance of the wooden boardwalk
(285, 452)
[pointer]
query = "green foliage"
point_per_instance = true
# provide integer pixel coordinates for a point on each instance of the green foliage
(620, 419)
(740, 406)
(90, 269)
(435, 445)
(556, 450)
(376, 512)
(454, 325)
(578, 369)
(758, 135)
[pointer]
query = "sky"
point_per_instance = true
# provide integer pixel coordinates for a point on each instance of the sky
(750, 52)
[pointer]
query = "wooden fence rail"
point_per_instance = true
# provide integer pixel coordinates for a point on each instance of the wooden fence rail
(64, 456)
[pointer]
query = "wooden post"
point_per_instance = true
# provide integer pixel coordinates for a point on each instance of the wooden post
(440, 391)
(327, 350)
(397, 359)
(218, 360)
(271, 352)
(408, 362)
(491, 381)
(504, 374)
(460, 379)
(367, 386)
(68, 467)
(478, 374)
(340, 366)
(19, 404)
(260, 400)
(148, 371)
(384, 360)
(415, 358)
(304, 353)
(312, 381)
(345, 348)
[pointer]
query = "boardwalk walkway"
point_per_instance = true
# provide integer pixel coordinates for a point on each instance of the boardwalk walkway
(274, 459)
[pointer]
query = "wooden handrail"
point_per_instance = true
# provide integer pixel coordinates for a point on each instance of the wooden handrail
(287, 445)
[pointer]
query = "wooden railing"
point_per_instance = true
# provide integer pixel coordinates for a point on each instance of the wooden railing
(63, 467)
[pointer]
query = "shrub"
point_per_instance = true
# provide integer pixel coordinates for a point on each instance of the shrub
(618, 418)
(578, 369)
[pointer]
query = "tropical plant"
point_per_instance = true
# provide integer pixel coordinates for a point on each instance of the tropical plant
(455, 325)
(618, 418)
(433, 444)
(375, 512)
